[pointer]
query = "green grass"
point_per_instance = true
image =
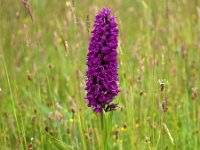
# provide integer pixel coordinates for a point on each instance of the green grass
(42, 82)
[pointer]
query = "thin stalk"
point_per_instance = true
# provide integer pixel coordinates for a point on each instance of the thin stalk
(104, 130)
(106, 127)
(153, 80)
(39, 116)
(81, 131)
(160, 132)
(11, 96)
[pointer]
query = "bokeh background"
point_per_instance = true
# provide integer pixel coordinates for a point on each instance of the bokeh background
(43, 47)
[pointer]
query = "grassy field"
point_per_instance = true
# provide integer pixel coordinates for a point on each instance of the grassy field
(43, 48)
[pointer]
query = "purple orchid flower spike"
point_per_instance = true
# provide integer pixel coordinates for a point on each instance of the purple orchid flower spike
(102, 78)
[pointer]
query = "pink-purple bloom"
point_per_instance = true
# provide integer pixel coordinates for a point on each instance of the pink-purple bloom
(102, 77)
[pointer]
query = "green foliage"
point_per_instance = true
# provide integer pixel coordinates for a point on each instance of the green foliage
(42, 75)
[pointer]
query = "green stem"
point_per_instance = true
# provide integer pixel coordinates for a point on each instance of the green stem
(105, 133)
(106, 127)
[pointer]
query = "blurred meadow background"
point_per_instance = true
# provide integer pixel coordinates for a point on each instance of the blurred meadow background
(43, 48)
